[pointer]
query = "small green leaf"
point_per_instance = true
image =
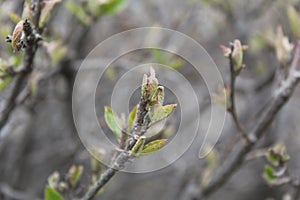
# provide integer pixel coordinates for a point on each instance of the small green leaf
(45, 15)
(159, 113)
(269, 173)
(277, 155)
(237, 54)
(153, 146)
(131, 118)
(294, 20)
(52, 194)
(158, 96)
(74, 174)
(111, 6)
(273, 158)
(113, 122)
(78, 11)
(138, 146)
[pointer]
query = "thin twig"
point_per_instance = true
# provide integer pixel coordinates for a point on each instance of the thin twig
(232, 108)
(240, 150)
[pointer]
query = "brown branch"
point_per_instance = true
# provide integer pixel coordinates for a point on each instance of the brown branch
(240, 150)
(32, 39)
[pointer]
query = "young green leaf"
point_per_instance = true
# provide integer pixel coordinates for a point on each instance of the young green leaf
(52, 194)
(294, 20)
(237, 55)
(111, 6)
(131, 118)
(269, 173)
(74, 174)
(158, 96)
(45, 15)
(113, 122)
(273, 158)
(161, 112)
(78, 11)
(138, 147)
(277, 155)
(153, 146)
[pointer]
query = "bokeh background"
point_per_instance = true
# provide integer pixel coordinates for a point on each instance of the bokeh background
(40, 136)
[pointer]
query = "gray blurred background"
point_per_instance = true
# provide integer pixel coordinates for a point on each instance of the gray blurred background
(41, 137)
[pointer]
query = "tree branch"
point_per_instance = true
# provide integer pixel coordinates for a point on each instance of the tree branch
(236, 158)
(232, 108)
(140, 127)
(32, 39)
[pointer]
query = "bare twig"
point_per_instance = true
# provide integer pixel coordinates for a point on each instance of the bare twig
(237, 157)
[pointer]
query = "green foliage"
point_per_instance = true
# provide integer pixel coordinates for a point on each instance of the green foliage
(294, 20)
(98, 8)
(78, 12)
(132, 118)
(92, 9)
(158, 112)
(277, 173)
(155, 95)
(138, 146)
(52, 194)
(277, 155)
(269, 173)
(153, 146)
(158, 97)
(111, 6)
(113, 122)
(46, 11)
(74, 174)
